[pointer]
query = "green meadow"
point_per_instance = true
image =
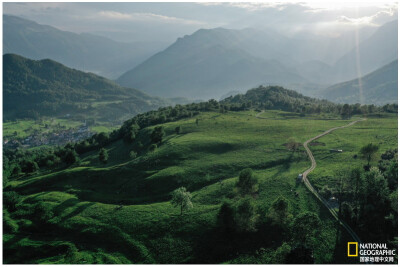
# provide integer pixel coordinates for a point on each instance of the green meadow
(119, 212)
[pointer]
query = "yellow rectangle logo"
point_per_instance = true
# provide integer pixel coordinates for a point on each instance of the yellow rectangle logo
(352, 249)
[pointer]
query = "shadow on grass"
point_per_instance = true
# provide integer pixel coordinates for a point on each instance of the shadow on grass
(78, 210)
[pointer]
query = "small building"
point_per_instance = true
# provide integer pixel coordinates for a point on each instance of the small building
(300, 177)
(336, 150)
(333, 199)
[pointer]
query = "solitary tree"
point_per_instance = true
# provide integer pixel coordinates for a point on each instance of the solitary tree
(182, 198)
(103, 155)
(369, 151)
(247, 183)
(292, 144)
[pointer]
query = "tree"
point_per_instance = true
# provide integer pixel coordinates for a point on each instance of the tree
(16, 170)
(346, 111)
(30, 166)
(281, 253)
(102, 138)
(70, 157)
(247, 182)
(182, 198)
(369, 151)
(246, 216)
(103, 155)
(132, 154)
(292, 144)
(305, 226)
(157, 134)
(152, 147)
(10, 200)
(178, 129)
(279, 212)
(376, 203)
(226, 217)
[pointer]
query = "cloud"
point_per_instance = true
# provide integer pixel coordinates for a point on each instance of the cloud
(372, 20)
(114, 15)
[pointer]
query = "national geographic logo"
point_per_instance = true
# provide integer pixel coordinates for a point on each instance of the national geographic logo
(352, 249)
(371, 252)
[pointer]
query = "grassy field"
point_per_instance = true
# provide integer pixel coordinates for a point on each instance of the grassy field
(119, 212)
(378, 131)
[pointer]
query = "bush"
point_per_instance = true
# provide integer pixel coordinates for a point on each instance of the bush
(42, 212)
(132, 154)
(103, 155)
(9, 225)
(178, 130)
(153, 147)
(10, 200)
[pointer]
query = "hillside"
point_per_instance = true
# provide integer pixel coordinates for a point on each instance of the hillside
(85, 52)
(372, 53)
(276, 97)
(378, 87)
(119, 211)
(33, 88)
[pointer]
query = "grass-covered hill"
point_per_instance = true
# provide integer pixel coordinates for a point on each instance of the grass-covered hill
(45, 87)
(116, 209)
(276, 97)
(378, 87)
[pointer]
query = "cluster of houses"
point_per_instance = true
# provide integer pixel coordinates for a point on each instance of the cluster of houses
(59, 137)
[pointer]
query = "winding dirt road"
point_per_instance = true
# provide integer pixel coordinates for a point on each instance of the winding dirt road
(312, 189)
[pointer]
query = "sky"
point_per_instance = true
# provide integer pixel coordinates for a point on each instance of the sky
(165, 22)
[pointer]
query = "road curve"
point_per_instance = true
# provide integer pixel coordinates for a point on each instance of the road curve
(312, 189)
(313, 165)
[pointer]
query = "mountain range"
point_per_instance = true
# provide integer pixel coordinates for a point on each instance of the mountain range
(210, 63)
(84, 51)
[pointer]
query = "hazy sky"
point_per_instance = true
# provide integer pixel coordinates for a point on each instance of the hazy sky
(165, 22)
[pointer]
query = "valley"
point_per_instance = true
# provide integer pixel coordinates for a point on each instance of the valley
(206, 157)
(199, 133)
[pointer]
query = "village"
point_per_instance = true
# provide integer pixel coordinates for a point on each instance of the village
(57, 137)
